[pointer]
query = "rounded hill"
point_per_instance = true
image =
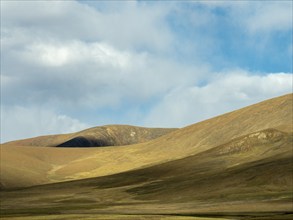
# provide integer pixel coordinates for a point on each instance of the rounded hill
(108, 135)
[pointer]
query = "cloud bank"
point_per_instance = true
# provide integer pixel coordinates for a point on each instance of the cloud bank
(75, 64)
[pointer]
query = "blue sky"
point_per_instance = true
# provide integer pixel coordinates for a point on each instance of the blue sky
(71, 65)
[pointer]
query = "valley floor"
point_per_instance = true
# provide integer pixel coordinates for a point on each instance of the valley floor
(108, 217)
(251, 216)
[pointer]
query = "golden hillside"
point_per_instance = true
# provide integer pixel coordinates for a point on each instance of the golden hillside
(26, 165)
(109, 135)
(235, 166)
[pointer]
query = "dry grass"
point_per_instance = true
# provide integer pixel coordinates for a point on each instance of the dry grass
(110, 217)
(25, 166)
(235, 166)
(110, 135)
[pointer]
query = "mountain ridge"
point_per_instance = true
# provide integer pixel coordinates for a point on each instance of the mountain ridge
(235, 166)
(99, 136)
(86, 163)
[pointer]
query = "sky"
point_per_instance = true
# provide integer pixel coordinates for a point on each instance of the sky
(71, 65)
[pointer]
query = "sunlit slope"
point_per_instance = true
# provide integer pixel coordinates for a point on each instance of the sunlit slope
(249, 175)
(61, 164)
(108, 135)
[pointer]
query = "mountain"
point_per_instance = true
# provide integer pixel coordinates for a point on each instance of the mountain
(109, 135)
(236, 166)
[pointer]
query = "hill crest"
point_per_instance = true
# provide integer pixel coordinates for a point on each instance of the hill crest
(51, 164)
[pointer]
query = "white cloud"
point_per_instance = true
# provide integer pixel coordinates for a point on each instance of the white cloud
(257, 16)
(19, 122)
(76, 73)
(134, 26)
(64, 53)
(270, 16)
(74, 56)
(225, 92)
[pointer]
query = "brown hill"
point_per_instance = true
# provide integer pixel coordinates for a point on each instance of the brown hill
(25, 165)
(109, 135)
(250, 177)
(238, 165)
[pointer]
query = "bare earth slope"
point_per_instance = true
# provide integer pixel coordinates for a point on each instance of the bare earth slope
(26, 166)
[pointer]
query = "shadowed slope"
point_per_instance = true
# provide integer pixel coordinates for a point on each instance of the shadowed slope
(109, 135)
(61, 164)
(249, 176)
